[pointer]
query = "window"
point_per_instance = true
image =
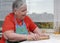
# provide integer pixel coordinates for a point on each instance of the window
(41, 12)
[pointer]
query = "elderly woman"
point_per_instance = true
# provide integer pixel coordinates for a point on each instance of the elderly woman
(18, 26)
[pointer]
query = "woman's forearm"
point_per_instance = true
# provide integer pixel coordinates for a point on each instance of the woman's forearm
(14, 37)
(37, 30)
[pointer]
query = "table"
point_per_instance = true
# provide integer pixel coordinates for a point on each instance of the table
(53, 39)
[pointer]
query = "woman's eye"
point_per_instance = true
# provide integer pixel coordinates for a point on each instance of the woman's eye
(24, 10)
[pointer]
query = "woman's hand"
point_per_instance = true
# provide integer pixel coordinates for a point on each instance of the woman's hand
(42, 35)
(33, 36)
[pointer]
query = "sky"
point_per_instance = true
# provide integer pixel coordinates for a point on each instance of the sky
(40, 6)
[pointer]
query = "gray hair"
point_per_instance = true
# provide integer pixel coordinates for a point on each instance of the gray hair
(18, 3)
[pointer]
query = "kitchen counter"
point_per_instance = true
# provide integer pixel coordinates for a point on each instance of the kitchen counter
(54, 38)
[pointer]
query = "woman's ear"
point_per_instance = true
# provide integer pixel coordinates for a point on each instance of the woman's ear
(14, 10)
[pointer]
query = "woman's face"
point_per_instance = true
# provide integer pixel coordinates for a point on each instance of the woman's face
(21, 12)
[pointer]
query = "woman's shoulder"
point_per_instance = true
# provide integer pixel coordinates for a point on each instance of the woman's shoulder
(10, 16)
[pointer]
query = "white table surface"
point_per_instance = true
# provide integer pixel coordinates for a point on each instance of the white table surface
(53, 39)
